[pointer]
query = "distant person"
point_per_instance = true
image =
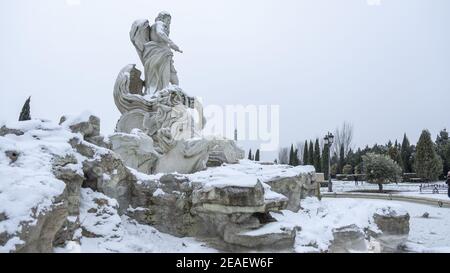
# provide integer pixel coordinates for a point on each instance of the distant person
(356, 179)
(448, 183)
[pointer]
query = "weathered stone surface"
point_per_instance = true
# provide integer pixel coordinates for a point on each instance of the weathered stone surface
(136, 150)
(165, 204)
(104, 171)
(100, 141)
(186, 156)
(394, 227)
(73, 180)
(83, 147)
(107, 174)
(272, 235)
(294, 188)
(38, 237)
(6, 131)
(348, 239)
(230, 199)
(224, 151)
(89, 128)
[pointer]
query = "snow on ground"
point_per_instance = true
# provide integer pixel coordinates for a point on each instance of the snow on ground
(319, 218)
(29, 182)
(408, 189)
(105, 231)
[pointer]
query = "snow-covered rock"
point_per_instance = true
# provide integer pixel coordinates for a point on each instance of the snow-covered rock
(393, 225)
(348, 239)
(34, 202)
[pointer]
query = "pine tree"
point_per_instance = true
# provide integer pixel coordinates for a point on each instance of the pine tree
(296, 160)
(428, 164)
(311, 153)
(25, 113)
(305, 154)
(291, 155)
(443, 150)
(257, 155)
(317, 161)
(325, 156)
(394, 153)
(406, 155)
(341, 159)
(250, 154)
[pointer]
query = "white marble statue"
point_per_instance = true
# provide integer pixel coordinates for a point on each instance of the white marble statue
(154, 48)
(161, 111)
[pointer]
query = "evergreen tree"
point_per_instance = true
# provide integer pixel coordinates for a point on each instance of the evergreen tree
(443, 150)
(325, 156)
(305, 154)
(317, 161)
(406, 155)
(311, 153)
(394, 153)
(250, 154)
(351, 159)
(296, 160)
(257, 155)
(25, 113)
(341, 159)
(428, 164)
(291, 155)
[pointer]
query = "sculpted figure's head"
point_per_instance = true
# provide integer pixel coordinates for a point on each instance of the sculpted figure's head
(164, 16)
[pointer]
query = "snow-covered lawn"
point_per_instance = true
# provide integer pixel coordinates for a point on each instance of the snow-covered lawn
(410, 189)
(318, 218)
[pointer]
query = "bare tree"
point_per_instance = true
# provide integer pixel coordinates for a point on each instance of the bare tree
(343, 137)
(283, 155)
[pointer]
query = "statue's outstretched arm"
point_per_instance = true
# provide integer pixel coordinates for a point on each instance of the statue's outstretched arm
(162, 34)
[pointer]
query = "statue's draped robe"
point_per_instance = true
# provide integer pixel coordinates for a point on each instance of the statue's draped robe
(157, 59)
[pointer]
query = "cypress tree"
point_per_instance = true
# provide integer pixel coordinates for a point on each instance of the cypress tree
(428, 164)
(395, 154)
(250, 154)
(406, 153)
(291, 156)
(317, 161)
(311, 153)
(257, 155)
(296, 161)
(305, 154)
(25, 113)
(341, 159)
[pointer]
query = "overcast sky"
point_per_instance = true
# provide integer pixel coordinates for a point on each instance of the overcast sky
(384, 68)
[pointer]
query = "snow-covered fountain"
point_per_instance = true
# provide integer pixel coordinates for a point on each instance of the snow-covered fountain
(157, 169)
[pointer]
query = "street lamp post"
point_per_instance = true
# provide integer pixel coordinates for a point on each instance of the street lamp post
(329, 139)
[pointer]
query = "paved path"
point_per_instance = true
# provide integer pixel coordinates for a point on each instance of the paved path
(396, 197)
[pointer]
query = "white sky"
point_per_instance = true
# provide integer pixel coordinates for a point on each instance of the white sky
(385, 68)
